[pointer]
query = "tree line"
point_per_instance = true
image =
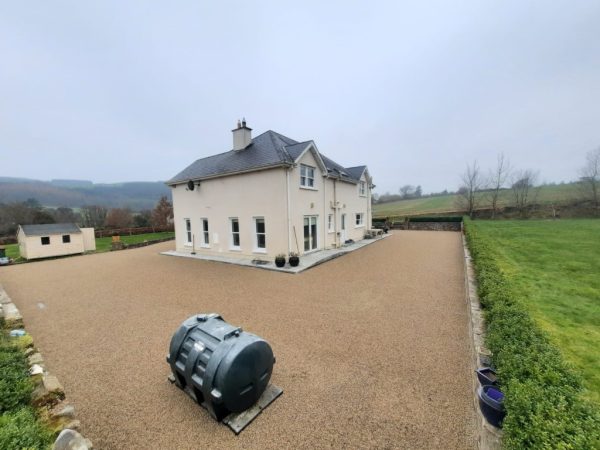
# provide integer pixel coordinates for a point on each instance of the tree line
(32, 212)
(479, 188)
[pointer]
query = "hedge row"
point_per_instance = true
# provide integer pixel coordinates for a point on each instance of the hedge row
(19, 425)
(378, 220)
(543, 400)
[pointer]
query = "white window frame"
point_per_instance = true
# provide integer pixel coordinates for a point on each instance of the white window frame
(258, 249)
(330, 224)
(205, 233)
(362, 189)
(359, 220)
(307, 181)
(188, 232)
(316, 219)
(232, 246)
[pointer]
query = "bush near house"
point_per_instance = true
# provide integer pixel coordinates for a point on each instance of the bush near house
(19, 424)
(544, 400)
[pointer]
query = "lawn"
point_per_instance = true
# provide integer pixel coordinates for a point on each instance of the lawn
(102, 244)
(555, 267)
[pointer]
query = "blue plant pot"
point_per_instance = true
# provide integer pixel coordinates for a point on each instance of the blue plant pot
(487, 376)
(491, 403)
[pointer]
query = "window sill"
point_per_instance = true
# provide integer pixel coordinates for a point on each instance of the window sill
(187, 244)
(235, 249)
(308, 188)
(330, 231)
(359, 226)
(260, 250)
(204, 245)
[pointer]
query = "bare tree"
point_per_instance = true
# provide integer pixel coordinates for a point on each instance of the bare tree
(590, 178)
(523, 190)
(472, 183)
(497, 180)
(118, 218)
(93, 216)
(162, 214)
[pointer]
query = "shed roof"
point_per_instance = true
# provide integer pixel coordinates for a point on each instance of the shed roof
(269, 149)
(50, 228)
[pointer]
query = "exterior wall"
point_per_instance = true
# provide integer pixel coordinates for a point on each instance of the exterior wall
(245, 196)
(89, 239)
(33, 248)
(320, 202)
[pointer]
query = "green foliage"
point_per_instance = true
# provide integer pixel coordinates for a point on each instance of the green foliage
(543, 394)
(22, 430)
(15, 387)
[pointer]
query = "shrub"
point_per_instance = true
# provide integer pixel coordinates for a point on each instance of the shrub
(22, 430)
(15, 387)
(544, 406)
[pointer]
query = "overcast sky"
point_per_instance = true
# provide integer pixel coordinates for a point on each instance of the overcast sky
(120, 91)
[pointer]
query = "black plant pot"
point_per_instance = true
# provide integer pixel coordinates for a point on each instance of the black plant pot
(294, 261)
(491, 403)
(487, 375)
(280, 262)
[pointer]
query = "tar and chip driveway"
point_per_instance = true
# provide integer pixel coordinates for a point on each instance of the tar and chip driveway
(372, 348)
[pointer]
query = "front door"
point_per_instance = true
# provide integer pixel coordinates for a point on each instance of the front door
(343, 228)
(310, 233)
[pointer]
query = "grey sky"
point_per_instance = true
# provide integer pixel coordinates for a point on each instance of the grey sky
(121, 91)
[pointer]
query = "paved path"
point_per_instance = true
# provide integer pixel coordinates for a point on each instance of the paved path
(372, 348)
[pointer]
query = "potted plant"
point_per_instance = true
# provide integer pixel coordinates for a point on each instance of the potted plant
(280, 260)
(294, 259)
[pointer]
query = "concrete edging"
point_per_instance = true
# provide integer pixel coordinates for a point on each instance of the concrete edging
(48, 395)
(488, 436)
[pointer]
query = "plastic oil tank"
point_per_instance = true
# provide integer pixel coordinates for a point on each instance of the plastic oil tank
(220, 366)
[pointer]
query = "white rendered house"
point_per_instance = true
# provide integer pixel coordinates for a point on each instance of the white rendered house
(269, 195)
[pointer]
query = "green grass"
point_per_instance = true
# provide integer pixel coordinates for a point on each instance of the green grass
(104, 244)
(554, 266)
(545, 195)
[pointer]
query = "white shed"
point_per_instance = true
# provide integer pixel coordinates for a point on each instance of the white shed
(54, 239)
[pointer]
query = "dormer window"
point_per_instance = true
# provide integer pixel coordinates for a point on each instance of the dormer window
(307, 176)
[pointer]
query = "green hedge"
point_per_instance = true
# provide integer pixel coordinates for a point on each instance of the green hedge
(19, 425)
(543, 399)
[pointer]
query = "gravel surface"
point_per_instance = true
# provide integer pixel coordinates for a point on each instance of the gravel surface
(372, 348)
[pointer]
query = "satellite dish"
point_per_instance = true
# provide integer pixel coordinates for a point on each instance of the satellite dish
(190, 185)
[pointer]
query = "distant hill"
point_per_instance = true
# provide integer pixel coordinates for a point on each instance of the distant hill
(545, 195)
(77, 193)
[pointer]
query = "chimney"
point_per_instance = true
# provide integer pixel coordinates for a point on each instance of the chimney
(242, 136)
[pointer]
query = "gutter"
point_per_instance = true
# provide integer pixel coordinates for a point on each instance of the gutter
(221, 175)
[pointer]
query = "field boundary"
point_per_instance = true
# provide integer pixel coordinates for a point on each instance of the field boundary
(543, 394)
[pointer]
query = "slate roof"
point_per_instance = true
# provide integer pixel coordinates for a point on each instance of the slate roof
(50, 228)
(356, 172)
(266, 150)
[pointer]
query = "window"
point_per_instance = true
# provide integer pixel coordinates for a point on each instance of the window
(205, 237)
(45, 240)
(359, 219)
(362, 189)
(235, 233)
(66, 238)
(307, 176)
(330, 223)
(261, 237)
(188, 231)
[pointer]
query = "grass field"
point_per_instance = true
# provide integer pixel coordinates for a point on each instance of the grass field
(102, 244)
(545, 195)
(555, 266)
